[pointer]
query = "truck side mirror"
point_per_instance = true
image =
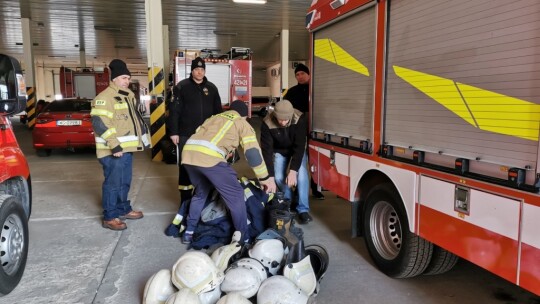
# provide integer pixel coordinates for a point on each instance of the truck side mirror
(12, 86)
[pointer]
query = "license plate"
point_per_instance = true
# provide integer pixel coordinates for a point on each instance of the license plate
(69, 123)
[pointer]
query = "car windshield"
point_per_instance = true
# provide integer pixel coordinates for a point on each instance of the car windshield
(69, 106)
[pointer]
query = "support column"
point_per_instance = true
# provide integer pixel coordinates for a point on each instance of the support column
(29, 74)
(82, 58)
(156, 76)
(284, 60)
(40, 81)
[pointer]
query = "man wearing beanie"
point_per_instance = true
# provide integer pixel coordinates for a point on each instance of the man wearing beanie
(283, 142)
(298, 95)
(119, 131)
(205, 159)
(194, 100)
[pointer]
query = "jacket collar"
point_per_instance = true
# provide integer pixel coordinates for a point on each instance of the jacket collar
(118, 89)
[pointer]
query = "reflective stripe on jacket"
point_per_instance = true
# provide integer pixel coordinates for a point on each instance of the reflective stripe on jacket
(118, 126)
(217, 138)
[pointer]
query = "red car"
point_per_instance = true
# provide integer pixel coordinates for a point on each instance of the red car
(64, 124)
(15, 185)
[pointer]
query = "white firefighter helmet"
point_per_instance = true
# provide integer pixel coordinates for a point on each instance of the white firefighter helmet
(280, 290)
(222, 256)
(302, 274)
(158, 288)
(196, 270)
(319, 260)
(233, 298)
(183, 296)
(244, 277)
(253, 264)
(210, 297)
(270, 253)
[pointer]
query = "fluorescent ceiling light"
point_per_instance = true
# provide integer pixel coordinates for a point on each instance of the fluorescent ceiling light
(108, 28)
(251, 1)
(223, 33)
(127, 47)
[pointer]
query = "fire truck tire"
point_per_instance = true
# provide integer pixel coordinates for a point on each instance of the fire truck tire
(43, 152)
(395, 250)
(442, 261)
(13, 243)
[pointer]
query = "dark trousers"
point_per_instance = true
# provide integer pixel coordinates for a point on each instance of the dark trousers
(184, 183)
(117, 172)
(224, 179)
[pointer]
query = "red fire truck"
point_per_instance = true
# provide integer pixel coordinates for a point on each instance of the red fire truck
(425, 115)
(82, 82)
(15, 187)
(231, 72)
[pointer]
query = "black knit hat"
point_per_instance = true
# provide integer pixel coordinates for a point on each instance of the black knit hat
(198, 63)
(301, 67)
(118, 68)
(240, 107)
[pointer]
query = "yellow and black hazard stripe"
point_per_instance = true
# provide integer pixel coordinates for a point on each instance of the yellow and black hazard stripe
(31, 107)
(156, 87)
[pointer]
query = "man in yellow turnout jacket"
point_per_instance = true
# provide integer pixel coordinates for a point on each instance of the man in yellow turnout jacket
(205, 158)
(119, 130)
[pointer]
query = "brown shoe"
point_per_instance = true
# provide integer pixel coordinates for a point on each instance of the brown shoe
(133, 215)
(114, 224)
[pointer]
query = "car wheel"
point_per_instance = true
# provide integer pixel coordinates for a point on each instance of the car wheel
(395, 250)
(43, 152)
(13, 243)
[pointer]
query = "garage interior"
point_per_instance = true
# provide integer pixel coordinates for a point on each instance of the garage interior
(73, 260)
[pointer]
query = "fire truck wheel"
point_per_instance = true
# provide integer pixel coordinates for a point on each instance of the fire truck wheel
(395, 250)
(13, 243)
(442, 261)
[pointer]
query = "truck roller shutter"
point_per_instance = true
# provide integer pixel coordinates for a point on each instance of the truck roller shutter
(220, 75)
(342, 76)
(462, 79)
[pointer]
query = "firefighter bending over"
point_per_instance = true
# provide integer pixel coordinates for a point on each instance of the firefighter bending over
(205, 159)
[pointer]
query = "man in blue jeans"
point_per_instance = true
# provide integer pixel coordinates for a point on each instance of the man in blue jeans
(283, 143)
(119, 131)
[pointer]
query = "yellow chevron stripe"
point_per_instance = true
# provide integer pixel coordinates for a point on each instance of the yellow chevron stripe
(158, 135)
(31, 107)
(156, 86)
(158, 113)
(481, 108)
(330, 51)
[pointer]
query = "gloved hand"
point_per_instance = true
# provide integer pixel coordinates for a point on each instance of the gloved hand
(292, 178)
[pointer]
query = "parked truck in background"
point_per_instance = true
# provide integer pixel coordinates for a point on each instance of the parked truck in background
(425, 115)
(15, 186)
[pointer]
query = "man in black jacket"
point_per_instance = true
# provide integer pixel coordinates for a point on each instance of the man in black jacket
(283, 145)
(298, 95)
(194, 100)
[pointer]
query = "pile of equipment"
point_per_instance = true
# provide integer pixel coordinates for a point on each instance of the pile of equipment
(275, 268)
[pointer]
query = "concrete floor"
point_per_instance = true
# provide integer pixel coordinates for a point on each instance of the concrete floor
(73, 260)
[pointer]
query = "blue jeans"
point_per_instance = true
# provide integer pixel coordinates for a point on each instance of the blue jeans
(115, 189)
(281, 163)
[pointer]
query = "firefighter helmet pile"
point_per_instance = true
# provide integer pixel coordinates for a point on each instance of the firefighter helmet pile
(276, 268)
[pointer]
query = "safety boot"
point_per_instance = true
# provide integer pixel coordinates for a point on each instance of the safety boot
(114, 224)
